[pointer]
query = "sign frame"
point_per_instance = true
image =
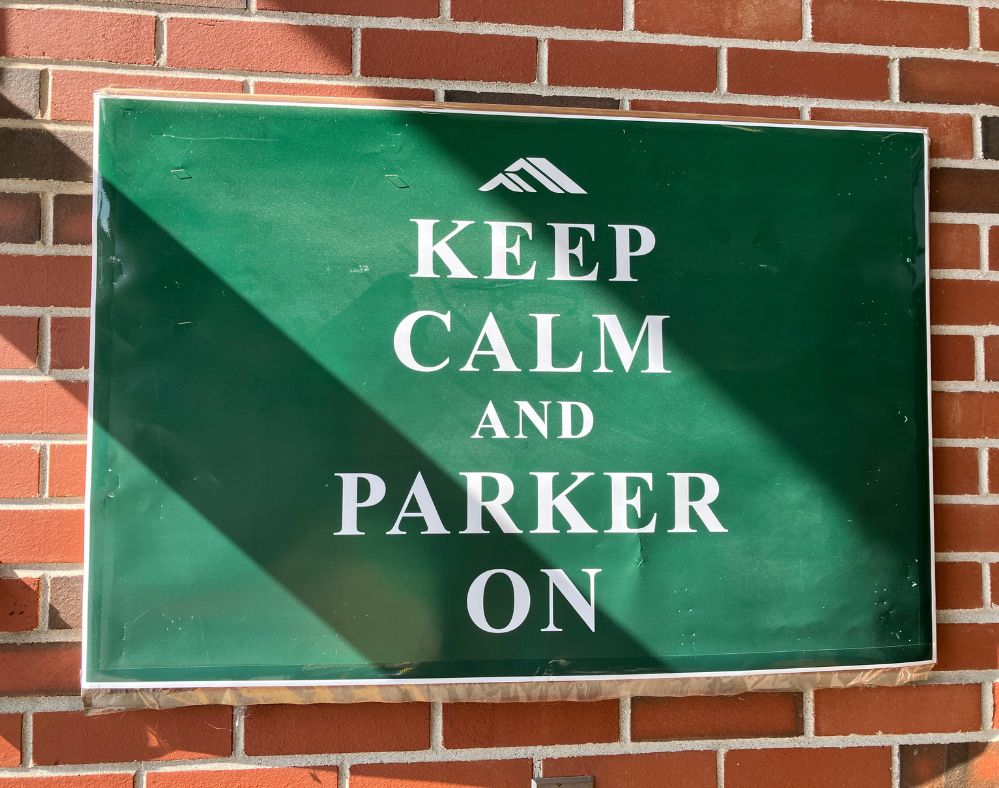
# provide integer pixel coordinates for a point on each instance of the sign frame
(165, 693)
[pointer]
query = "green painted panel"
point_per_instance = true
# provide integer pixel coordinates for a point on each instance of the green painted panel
(256, 265)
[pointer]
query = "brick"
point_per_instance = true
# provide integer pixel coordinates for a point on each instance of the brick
(774, 20)
(69, 781)
(65, 602)
(965, 528)
(988, 19)
(593, 14)
(990, 137)
(613, 64)
(964, 191)
(472, 774)
(40, 669)
(952, 765)
(73, 91)
(67, 469)
(890, 24)
(689, 769)
(955, 471)
(521, 724)
(532, 99)
(954, 245)
(952, 357)
(968, 414)
(343, 91)
(160, 735)
(964, 302)
(41, 536)
(18, 604)
(331, 727)
(948, 81)
(994, 248)
(70, 342)
(258, 46)
(19, 471)
(44, 281)
(950, 134)
(812, 74)
(724, 717)
(443, 55)
(413, 9)
(821, 767)
(20, 218)
(967, 647)
(45, 154)
(304, 777)
(706, 108)
(72, 219)
(994, 582)
(19, 92)
(78, 35)
(10, 739)
(18, 342)
(934, 708)
(43, 406)
(992, 358)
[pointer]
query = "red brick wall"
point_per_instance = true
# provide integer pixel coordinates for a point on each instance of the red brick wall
(932, 64)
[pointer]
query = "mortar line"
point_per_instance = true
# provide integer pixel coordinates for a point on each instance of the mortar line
(806, 20)
(45, 344)
(45, 93)
(355, 52)
(537, 769)
(983, 471)
(239, 731)
(624, 719)
(893, 79)
(977, 138)
(722, 75)
(343, 775)
(542, 64)
(720, 767)
(628, 15)
(808, 712)
(27, 738)
(896, 770)
(988, 706)
(979, 359)
(983, 248)
(47, 218)
(43, 470)
(987, 585)
(160, 40)
(436, 726)
(974, 27)
(444, 9)
(44, 602)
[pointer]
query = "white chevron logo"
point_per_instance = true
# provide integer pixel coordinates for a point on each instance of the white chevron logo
(540, 170)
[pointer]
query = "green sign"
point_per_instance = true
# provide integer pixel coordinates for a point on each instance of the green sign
(428, 393)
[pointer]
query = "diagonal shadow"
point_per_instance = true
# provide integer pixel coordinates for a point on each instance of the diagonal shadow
(248, 429)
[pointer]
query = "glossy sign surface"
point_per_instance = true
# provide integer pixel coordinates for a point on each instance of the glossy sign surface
(320, 445)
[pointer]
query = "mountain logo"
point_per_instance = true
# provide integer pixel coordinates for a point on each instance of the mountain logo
(540, 170)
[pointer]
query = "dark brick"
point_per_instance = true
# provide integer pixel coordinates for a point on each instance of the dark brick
(990, 137)
(20, 218)
(954, 765)
(532, 99)
(18, 92)
(71, 219)
(967, 191)
(41, 154)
